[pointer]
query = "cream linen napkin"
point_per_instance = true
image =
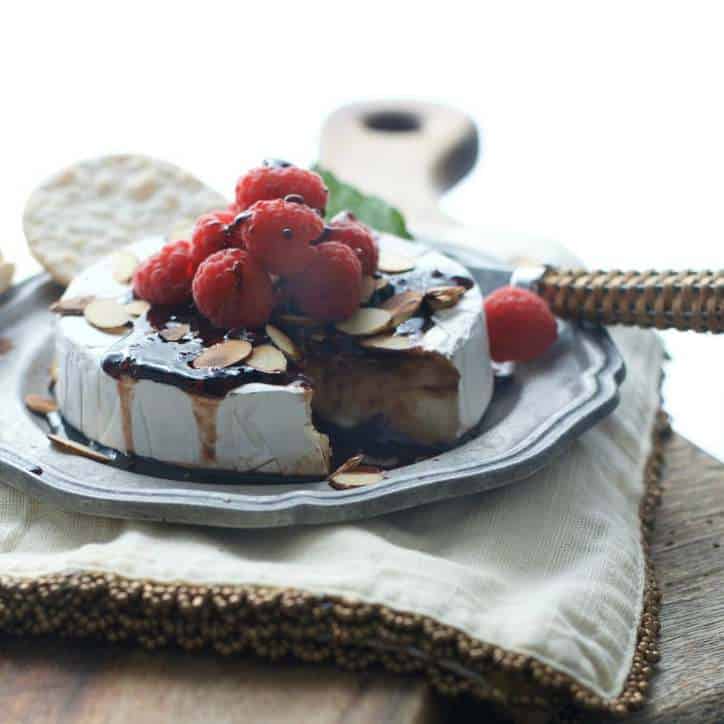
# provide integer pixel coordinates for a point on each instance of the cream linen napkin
(552, 567)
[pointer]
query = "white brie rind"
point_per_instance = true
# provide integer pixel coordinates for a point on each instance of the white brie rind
(258, 427)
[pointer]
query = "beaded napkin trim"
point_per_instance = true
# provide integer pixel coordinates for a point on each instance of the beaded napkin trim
(276, 623)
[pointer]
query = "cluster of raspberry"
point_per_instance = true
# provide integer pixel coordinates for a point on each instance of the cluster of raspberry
(271, 246)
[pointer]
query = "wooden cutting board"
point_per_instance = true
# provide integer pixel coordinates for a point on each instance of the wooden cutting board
(410, 153)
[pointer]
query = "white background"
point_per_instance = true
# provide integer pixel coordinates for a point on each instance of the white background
(603, 123)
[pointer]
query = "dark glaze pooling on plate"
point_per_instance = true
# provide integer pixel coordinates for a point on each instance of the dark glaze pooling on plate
(373, 439)
(144, 355)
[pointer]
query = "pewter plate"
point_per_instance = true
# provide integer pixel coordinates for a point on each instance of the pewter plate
(532, 419)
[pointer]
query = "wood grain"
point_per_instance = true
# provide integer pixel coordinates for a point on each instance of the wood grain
(412, 165)
(82, 683)
(688, 552)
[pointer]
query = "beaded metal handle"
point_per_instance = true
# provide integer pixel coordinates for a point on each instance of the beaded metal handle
(684, 300)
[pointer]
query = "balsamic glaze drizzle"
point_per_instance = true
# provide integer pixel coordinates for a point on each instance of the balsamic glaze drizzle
(144, 354)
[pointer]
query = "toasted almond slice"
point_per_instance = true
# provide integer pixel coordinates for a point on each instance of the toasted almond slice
(357, 478)
(369, 287)
(402, 306)
(137, 307)
(365, 321)
(174, 334)
(444, 297)
(391, 342)
(39, 404)
(106, 314)
(350, 464)
(284, 342)
(77, 448)
(266, 358)
(223, 354)
(73, 306)
(124, 264)
(298, 320)
(395, 263)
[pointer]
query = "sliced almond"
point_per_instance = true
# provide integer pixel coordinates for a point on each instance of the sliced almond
(369, 287)
(444, 297)
(75, 306)
(395, 263)
(174, 334)
(350, 464)
(39, 404)
(391, 342)
(266, 358)
(403, 306)
(365, 321)
(124, 264)
(106, 314)
(358, 478)
(223, 354)
(284, 342)
(137, 307)
(77, 448)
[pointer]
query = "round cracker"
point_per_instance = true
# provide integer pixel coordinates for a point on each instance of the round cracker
(90, 209)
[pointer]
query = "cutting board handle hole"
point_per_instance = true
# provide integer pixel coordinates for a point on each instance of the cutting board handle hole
(393, 121)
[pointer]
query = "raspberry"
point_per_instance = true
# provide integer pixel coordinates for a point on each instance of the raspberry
(277, 181)
(521, 327)
(278, 234)
(346, 229)
(165, 277)
(329, 289)
(232, 290)
(210, 235)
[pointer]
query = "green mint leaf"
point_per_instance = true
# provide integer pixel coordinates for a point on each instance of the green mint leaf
(372, 210)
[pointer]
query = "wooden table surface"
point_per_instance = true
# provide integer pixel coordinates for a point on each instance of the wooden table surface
(82, 683)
